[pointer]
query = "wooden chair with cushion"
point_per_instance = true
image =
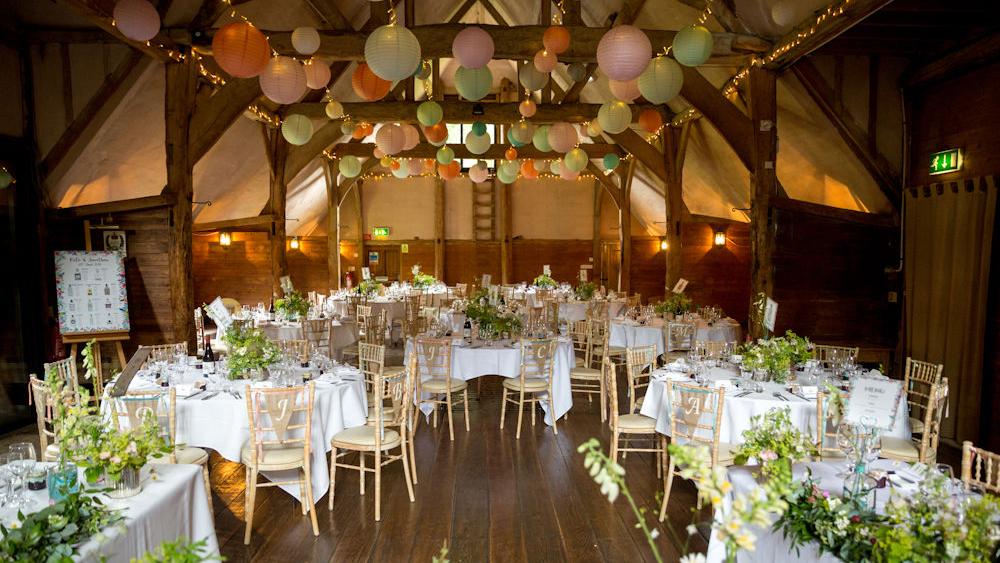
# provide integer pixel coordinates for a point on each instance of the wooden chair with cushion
(535, 376)
(354, 300)
(298, 349)
(129, 410)
(828, 354)
(918, 378)
(639, 365)
(44, 407)
(628, 427)
(385, 433)
(434, 378)
(922, 448)
(695, 418)
(317, 333)
(600, 337)
(280, 439)
(980, 469)
(711, 348)
(679, 339)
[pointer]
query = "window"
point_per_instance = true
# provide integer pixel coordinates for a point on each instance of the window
(456, 136)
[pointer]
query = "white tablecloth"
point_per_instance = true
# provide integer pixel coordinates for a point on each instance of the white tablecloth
(343, 333)
(221, 423)
(577, 310)
(631, 334)
(167, 509)
(736, 411)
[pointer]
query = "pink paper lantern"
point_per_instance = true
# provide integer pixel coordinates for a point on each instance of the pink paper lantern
(562, 137)
(414, 167)
(545, 61)
(473, 47)
(317, 74)
(412, 136)
(566, 174)
(390, 138)
(624, 52)
(136, 19)
(479, 174)
(625, 91)
(284, 80)
(378, 153)
(527, 108)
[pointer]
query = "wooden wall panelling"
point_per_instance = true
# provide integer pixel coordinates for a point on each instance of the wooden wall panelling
(647, 269)
(563, 256)
(718, 275)
(307, 266)
(241, 271)
(466, 261)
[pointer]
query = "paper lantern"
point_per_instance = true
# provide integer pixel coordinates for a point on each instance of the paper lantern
(650, 120)
(510, 154)
(305, 40)
(136, 19)
(477, 144)
(436, 133)
(440, 143)
(350, 166)
(334, 109)
(693, 45)
(625, 91)
(541, 139)
(241, 50)
(522, 131)
(545, 61)
(399, 171)
(562, 137)
(575, 160)
(394, 165)
(528, 170)
(284, 80)
(297, 129)
(429, 113)
(479, 128)
(611, 161)
(541, 165)
(661, 81)
(367, 85)
(527, 108)
(506, 177)
(556, 39)
(385, 161)
(449, 171)
(473, 83)
(479, 173)
(414, 167)
(532, 78)
(317, 74)
(392, 52)
(347, 127)
(390, 138)
(624, 52)
(378, 153)
(784, 13)
(423, 71)
(445, 155)
(594, 129)
(367, 128)
(567, 174)
(429, 165)
(472, 47)
(412, 136)
(577, 71)
(358, 133)
(614, 117)
(513, 140)
(556, 167)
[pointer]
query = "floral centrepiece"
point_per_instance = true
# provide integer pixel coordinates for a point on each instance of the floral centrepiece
(420, 279)
(55, 532)
(292, 306)
(369, 288)
(677, 304)
(775, 443)
(493, 316)
(249, 350)
(585, 291)
(777, 356)
(545, 281)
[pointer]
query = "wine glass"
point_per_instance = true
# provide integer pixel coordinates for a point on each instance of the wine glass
(6, 481)
(847, 442)
(18, 467)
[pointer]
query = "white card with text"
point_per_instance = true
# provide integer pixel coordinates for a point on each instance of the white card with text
(486, 280)
(874, 402)
(366, 273)
(770, 314)
(546, 270)
(680, 286)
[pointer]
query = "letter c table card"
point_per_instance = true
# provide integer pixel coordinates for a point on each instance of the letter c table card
(680, 286)
(874, 402)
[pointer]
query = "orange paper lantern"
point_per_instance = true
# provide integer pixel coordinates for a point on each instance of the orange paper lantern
(367, 85)
(449, 171)
(429, 164)
(528, 169)
(556, 39)
(650, 120)
(368, 128)
(436, 133)
(358, 133)
(241, 50)
(510, 154)
(394, 165)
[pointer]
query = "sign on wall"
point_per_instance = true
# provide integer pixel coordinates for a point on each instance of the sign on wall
(90, 292)
(381, 232)
(947, 161)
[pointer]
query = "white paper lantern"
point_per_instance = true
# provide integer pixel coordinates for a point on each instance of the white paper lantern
(136, 19)
(297, 129)
(661, 81)
(401, 172)
(624, 52)
(567, 174)
(378, 153)
(545, 61)
(556, 167)
(784, 13)
(392, 52)
(305, 40)
(350, 166)
(317, 74)
(412, 136)
(693, 45)
(563, 137)
(472, 47)
(334, 109)
(473, 83)
(523, 132)
(614, 117)
(527, 108)
(541, 139)
(284, 80)
(390, 138)
(532, 78)
(510, 167)
(626, 91)
(477, 144)
(541, 165)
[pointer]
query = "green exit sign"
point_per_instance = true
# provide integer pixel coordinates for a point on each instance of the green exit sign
(380, 231)
(946, 161)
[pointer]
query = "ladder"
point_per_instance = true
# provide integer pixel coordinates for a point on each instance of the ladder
(483, 211)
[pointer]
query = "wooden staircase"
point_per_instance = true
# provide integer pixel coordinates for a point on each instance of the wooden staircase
(483, 211)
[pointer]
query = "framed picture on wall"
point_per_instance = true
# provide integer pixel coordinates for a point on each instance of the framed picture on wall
(114, 241)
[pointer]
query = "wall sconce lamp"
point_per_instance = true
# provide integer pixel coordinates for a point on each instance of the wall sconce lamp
(664, 245)
(294, 244)
(720, 237)
(225, 239)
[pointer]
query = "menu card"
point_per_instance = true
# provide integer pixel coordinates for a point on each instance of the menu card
(217, 311)
(874, 402)
(770, 314)
(583, 275)
(546, 270)
(680, 286)
(487, 278)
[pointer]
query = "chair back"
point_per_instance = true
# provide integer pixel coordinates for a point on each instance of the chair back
(65, 369)
(538, 359)
(280, 416)
(298, 349)
(639, 365)
(828, 354)
(167, 352)
(919, 379)
(597, 345)
(317, 333)
(550, 315)
(44, 410)
(980, 468)
(579, 332)
(597, 309)
(542, 295)
(634, 300)
(433, 356)
(199, 330)
(679, 335)
(611, 386)
(354, 300)
(711, 348)
(936, 406)
(371, 362)
(828, 424)
(372, 327)
(696, 415)
(128, 412)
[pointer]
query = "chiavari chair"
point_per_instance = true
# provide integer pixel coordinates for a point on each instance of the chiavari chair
(679, 339)
(828, 354)
(639, 365)
(44, 409)
(534, 377)
(921, 448)
(980, 469)
(827, 425)
(918, 379)
(317, 333)
(583, 378)
(434, 377)
(296, 348)
(627, 427)
(66, 370)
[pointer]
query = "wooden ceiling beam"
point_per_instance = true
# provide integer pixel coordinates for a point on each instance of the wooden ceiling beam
(98, 12)
(979, 52)
(724, 12)
(210, 12)
(212, 118)
(495, 152)
(613, 190)
(257, 223)
(461, 112)
(732, 123)
(299, 157)
(331, 15)
(120, 206)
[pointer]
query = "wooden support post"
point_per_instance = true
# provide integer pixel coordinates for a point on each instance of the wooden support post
(278, 151)
(181, 83)
(673, 158)
(333, 226)
(625, 230)
(595, 274)
(763, 114)
(506, 248)
(439, 229)
(360, 215)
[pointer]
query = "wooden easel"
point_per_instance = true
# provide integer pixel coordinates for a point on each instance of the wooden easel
(117, 338)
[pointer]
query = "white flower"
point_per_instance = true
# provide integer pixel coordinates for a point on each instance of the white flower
(691, 530)
(694, 558)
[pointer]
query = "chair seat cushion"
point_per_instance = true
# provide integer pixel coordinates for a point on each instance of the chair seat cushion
(585, 373)
(392, 371)
(184, 455)
(364, 437)
(637, 423)
(51, 452)
(916, 426)
(533, 385)
(899, 449)
(441, 385)
(612, 350)
(581, 362)
(275, 457)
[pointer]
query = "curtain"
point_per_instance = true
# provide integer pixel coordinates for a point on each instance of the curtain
(947, 238)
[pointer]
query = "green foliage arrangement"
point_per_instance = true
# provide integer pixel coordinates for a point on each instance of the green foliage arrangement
(292, 306)
(420, 279)
(775, 443)
(249, 349)
(89, 361)
(53, 533)
(677, 304)
(777, 355)
(369, 287)
(491, 314)
(180, 551)
(545, 282)
(585, 291)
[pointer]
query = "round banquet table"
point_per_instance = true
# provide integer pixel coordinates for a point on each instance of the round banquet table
(630, 334)
(471, 361)
(343, 333)
(393, 309)
(737, 411)
(577, 310)
(221, 422)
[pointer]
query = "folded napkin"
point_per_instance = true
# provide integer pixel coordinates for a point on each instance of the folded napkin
(808, 391)
(678, 365)
(726, 384)
(185, 390)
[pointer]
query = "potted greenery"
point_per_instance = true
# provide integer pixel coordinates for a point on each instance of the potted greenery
(675, 306)
(545, 281)
(493, 317)
(292, 306)
(369, 288)
(585, 291)
(250, 352)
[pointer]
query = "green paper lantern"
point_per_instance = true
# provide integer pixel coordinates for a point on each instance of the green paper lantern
(614, 117)
(477, 144)
(541, 139)
(445, 155)
(692, 45)
(429, 113)
(479, 128)
(532, 78)
(350, 166)
(347, 127)
(611, 161)
(541, 165)
(401, 172)
(556, 167)
(575, 160)
(473, 84)
(661, 81)
(297, 129)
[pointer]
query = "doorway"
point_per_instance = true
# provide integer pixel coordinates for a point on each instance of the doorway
(383, 262)
(611, 259)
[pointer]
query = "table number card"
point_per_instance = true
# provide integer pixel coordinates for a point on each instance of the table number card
(546, 270)
(770, 314)
(874, 402)
(366, 273)
(487, 278)
(583, 275)
(286, 284)
(680, 286)
(217, 311)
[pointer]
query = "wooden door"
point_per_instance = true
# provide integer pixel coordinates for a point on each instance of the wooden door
(383, 261)
(611, 258)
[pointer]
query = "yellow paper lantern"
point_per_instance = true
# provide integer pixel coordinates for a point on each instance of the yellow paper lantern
(661, 81)
(614, 117)
(693, 45)
(297, 129)
(392, 52)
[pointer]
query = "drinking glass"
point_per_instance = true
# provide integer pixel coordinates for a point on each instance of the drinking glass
(18, 467)
(847, 442)
(6, 481)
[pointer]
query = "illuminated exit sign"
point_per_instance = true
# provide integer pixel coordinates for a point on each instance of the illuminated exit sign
(378, 232)
(946, 161)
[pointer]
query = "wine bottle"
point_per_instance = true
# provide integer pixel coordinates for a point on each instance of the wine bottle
(209, 357)
(270, 310)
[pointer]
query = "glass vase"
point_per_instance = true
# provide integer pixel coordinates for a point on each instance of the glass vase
(128, 484)
(62, 481)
